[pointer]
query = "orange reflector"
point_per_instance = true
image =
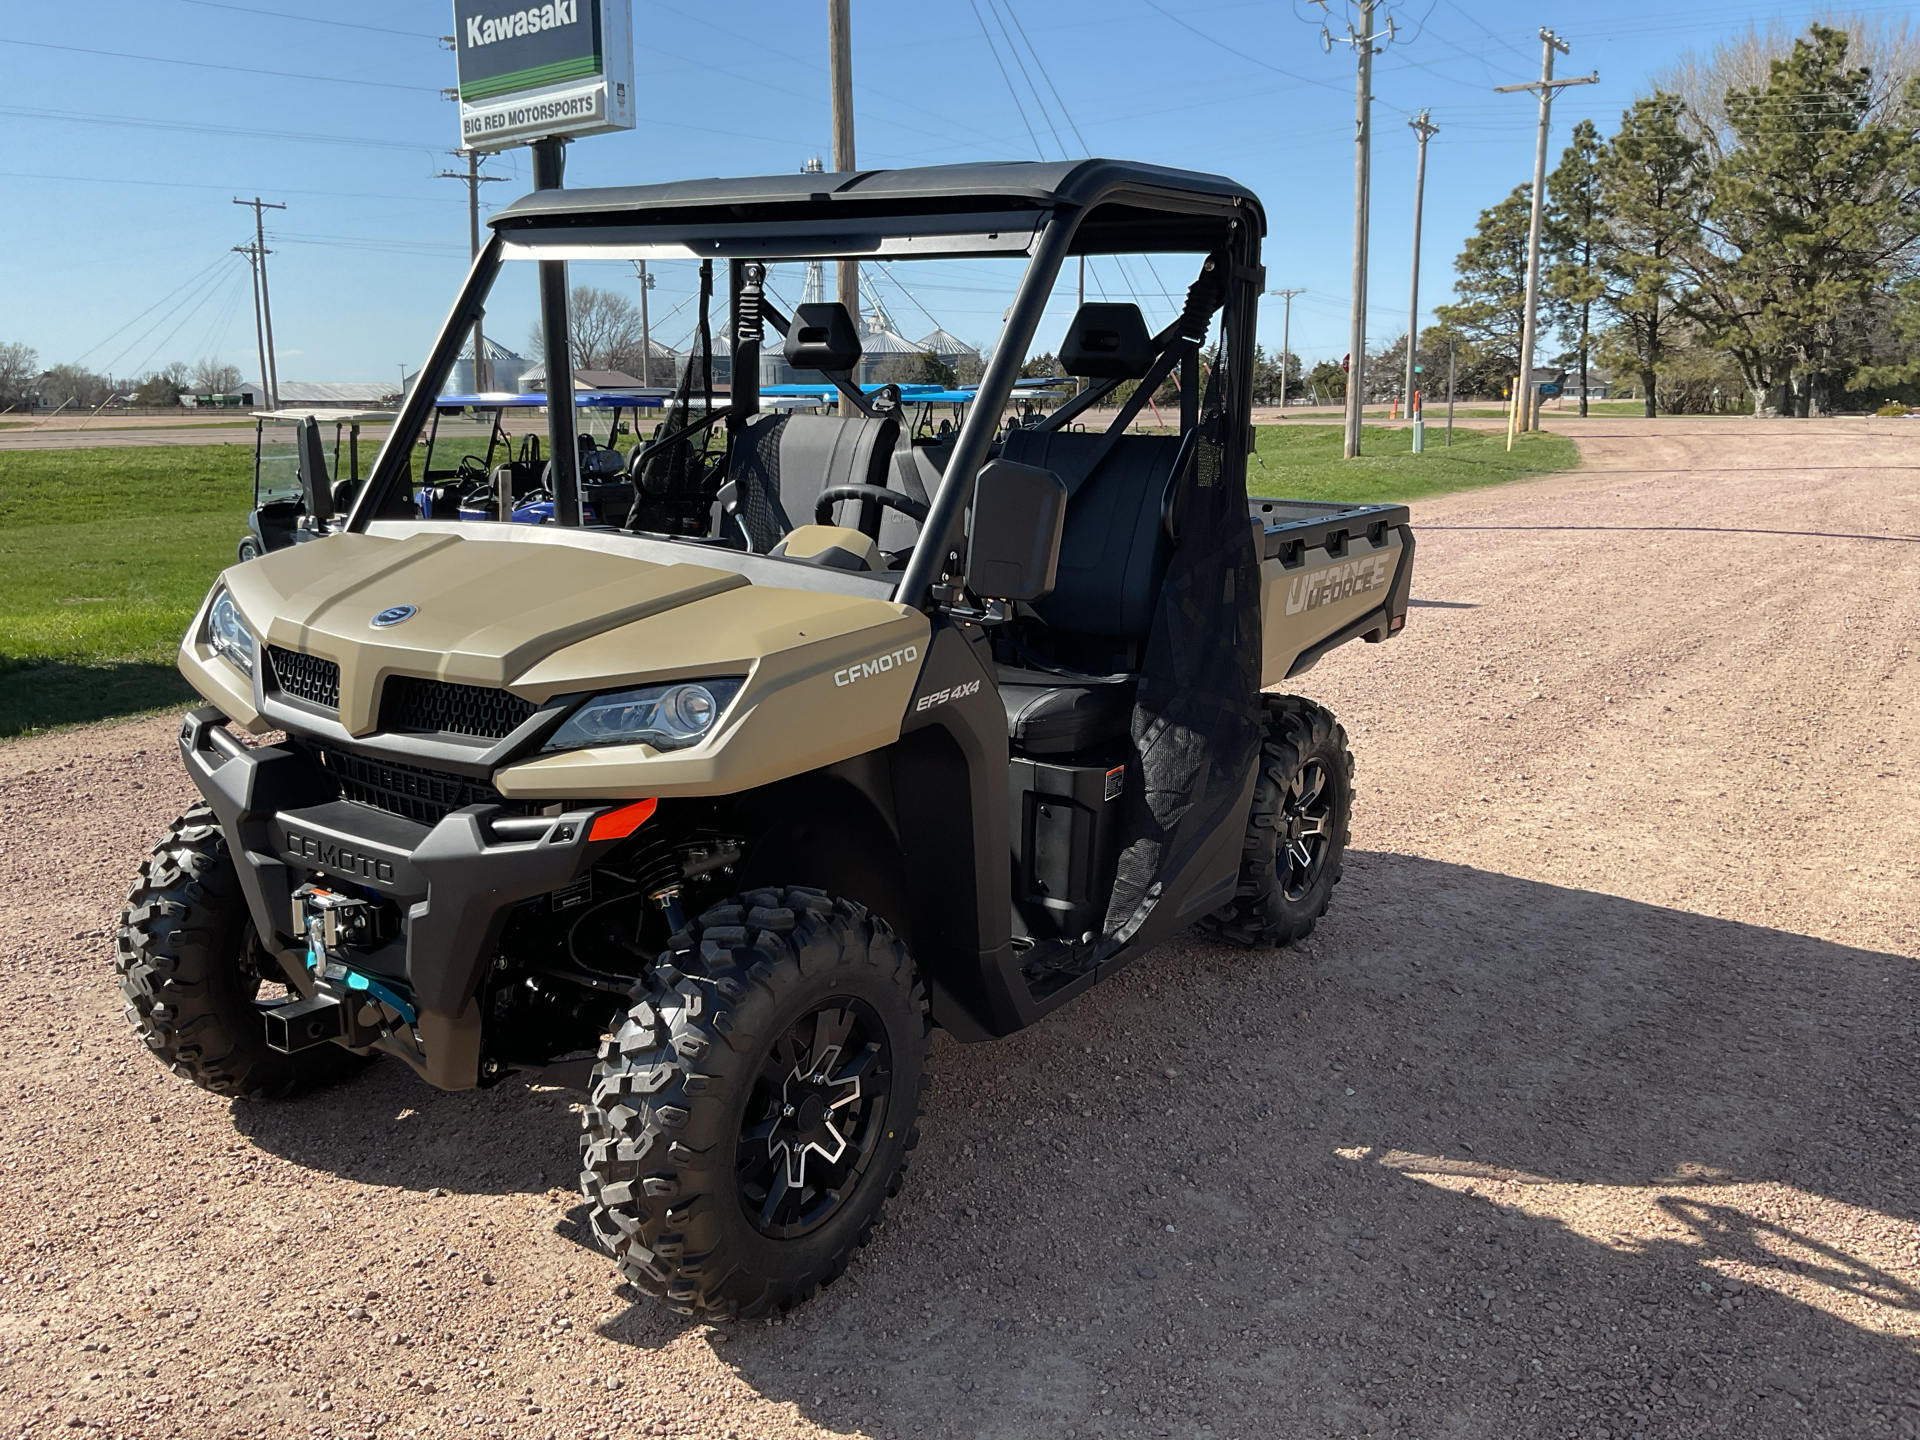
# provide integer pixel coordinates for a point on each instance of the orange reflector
(619, 824)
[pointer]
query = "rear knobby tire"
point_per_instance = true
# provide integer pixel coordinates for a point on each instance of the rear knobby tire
(192, 972)
(1296, 831)
(769, 1019)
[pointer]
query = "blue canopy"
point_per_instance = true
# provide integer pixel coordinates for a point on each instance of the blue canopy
(582, 400)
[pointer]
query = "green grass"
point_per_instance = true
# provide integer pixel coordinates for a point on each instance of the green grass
(1303, 462)
(104, 556)
(106, 553)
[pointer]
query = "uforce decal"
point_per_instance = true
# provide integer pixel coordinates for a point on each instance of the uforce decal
(878, 665)
(941, 697)
(1356, 577)
(339, 859)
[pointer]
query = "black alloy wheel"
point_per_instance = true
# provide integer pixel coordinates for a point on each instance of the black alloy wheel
(813, 1117)
(1296, 837)
(1305, 838)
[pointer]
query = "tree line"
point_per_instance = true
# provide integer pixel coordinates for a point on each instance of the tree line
(23, 383)
(1748, 239)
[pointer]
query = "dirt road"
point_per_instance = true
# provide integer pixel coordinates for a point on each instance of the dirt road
(1592, 1109)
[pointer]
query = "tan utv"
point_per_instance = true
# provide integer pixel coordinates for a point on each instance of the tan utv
(784, 736)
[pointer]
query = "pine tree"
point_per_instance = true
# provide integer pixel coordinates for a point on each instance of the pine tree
(1574, 237)
(1813, 210)
(1650, 196)
(1492, 289)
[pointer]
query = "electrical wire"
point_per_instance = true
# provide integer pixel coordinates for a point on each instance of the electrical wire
(234, 69)
(986, 35)
(229, 189)
(139, 122)
(310, 19)
(126, 325)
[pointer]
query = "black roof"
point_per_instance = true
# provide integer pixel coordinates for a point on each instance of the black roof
(1135, 206)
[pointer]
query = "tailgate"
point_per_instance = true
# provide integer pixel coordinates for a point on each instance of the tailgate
(1328, 574)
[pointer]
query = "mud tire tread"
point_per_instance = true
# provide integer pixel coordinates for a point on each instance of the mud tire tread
(182, 936)
(655, 1145)
(1293, 731)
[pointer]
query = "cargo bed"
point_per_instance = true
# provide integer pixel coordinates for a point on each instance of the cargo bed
(1328, 574)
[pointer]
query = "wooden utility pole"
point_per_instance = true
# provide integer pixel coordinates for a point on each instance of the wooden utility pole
(1364, 49)
(272, 378)
(473, 179)
(840, 46)
(1286, 337)
(1544, 87)
(1425, 131)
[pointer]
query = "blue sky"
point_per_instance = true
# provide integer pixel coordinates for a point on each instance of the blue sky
(119, 168)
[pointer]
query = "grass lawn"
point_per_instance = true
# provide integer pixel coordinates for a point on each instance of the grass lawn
(106, 553)
(1303, 462)
(104, 556)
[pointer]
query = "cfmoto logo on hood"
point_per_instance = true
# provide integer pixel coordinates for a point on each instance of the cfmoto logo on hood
(393, 615)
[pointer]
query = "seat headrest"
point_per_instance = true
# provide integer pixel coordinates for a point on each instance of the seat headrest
(822, 337)
(315, 483)
(1107, 341)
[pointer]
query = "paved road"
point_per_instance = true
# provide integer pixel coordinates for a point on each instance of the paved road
(1590, 1110)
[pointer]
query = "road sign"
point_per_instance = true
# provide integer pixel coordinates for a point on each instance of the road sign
(1549, 390)
(529, 71)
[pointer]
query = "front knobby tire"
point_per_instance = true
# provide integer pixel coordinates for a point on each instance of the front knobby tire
(1296, 831)
(197, 982)
(752, 1113)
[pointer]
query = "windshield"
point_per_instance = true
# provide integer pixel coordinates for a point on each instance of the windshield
(682, 432)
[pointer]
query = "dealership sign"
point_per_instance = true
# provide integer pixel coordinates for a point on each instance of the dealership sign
(529, 71)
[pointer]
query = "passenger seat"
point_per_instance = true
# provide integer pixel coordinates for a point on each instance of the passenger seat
(781, 463)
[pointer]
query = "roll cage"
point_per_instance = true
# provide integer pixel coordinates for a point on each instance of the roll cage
(1047, 211)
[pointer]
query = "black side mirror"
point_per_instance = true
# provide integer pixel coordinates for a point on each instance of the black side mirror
(315, 483)
(822, 337)
(1019, 512)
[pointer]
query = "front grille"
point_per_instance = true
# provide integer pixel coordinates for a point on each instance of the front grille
(305, 677)
(410, 791)
(411, 703)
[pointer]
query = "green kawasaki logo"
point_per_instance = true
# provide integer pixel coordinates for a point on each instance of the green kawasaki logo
(518, 24)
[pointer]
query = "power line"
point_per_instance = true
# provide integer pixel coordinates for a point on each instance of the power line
(987, 35)
(234, 69)
(311, 19)
(139, 122)
(198, 185)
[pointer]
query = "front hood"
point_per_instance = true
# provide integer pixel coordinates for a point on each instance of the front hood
(484, 611)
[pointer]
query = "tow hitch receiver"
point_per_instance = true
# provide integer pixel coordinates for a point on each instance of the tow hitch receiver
(305, 1024)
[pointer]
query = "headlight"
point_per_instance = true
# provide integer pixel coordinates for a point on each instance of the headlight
(667, 717)
(228, 634)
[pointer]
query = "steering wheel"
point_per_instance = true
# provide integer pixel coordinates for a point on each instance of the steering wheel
(472, 468)
(892, 499)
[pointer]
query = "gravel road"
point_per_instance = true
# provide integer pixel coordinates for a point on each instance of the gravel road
(1591, 1110)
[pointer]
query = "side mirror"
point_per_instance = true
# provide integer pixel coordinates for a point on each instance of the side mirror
(1019, 512)
(315, 483)
(822, 337)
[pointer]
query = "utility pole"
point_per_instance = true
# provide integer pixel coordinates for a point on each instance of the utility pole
(474, 180)
(1362, 42)
(259, 335)
(272, 378)
(550, 173)
(1425, 131)
(646, 326)
(840, 46)
(1286, 337)
(1544, 87)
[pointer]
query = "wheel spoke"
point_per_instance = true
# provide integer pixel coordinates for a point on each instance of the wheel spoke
(830, 1029)
(777, 1192)
(1312, 825)
(1307, 786)
(1299, 854)
(857, 1068)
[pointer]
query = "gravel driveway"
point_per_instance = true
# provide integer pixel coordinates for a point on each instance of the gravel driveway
(1591, 1110)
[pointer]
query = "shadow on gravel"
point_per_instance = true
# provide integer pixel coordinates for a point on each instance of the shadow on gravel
(1409, 1258)
(1486, 1158)
(36, 696)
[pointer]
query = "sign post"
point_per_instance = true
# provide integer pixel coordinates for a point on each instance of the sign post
(538, 75)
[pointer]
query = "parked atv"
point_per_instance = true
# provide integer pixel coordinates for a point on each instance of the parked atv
(844, 733)
(295, 495)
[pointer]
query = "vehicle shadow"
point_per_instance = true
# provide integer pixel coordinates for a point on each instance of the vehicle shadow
(35, 696)
(1485, 1157)
(1489, 1157)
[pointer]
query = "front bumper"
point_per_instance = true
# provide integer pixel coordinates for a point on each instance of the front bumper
(453, 883)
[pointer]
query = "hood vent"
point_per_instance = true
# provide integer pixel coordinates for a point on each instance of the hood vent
(305, 677)
(442, 707)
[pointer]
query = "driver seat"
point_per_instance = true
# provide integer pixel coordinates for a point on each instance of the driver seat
(781, 462)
